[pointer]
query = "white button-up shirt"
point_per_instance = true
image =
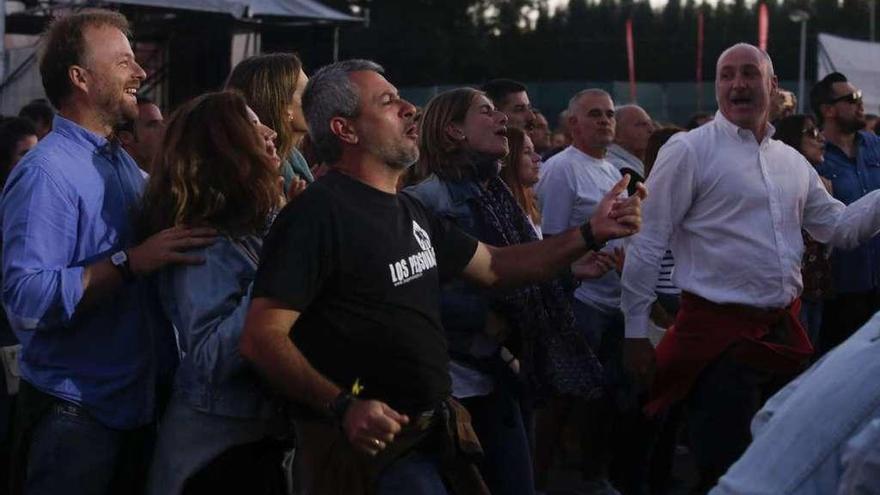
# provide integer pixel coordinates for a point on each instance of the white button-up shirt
(732, 210)
(572, 185)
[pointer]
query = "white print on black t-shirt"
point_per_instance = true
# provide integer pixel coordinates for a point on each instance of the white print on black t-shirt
(412, 267)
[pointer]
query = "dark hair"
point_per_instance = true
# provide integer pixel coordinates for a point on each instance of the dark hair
(694, 121)
(655, 142)
(12, 130)
(516, 139)
(64, 45)
(268, 83)
(498, 90)
(128, 124)
(438, 153)
(790, 130)
(38, 111)
(822, 92)
(212, 169)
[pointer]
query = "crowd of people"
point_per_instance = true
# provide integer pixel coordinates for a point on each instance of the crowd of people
(305, 284)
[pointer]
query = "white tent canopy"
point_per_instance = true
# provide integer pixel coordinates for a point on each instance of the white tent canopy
(859, 61)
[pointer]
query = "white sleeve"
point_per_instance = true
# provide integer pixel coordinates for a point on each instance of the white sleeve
(556, 197)
(830, 222)
(671, 187)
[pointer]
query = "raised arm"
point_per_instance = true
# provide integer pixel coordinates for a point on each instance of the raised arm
(538, 261)
(830, 222)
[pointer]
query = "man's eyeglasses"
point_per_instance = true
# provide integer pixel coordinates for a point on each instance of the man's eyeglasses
(854, 97)
(812, 132)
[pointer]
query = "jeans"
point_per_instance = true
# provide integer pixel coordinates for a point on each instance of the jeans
(507, 464)
(416, 473)
(71, 453)
(811, 319)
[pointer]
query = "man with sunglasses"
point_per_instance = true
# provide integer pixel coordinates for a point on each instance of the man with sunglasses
(852, 164)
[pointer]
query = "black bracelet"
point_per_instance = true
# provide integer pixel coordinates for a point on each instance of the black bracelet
(339, 405)
(589, 238)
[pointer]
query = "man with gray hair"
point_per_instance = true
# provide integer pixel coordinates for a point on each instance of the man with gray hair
(634, 128)
(573, 182)
(731, 204)
(345, 317)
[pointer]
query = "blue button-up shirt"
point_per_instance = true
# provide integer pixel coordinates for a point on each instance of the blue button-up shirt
(858, 269)
(68, 204)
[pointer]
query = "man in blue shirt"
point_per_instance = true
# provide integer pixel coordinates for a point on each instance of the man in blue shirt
(71, 288)
(852, 164)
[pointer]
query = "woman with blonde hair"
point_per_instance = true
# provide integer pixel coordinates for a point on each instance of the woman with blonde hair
(217, 168)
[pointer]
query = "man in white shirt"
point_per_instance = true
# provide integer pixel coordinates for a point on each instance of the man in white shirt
(731, 203)
(572, 184)
(634, 128)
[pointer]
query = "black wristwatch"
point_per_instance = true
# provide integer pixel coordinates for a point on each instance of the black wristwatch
(589, 238)
(339, 405)
(120, 261)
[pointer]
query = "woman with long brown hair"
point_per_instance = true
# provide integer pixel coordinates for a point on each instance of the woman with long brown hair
(273, 85)
(520, 173)
(463, 140)
(218, 169)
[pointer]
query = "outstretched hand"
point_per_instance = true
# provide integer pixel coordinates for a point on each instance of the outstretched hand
(594, 264)
(617, 216)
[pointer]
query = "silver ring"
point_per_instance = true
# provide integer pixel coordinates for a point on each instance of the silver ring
(377, 443)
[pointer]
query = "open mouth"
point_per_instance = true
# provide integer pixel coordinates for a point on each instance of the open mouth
(412, 132)
(501, 132)
(131, 92)
(741, 100)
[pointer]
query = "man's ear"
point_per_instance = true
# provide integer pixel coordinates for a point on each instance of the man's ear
(342, 128)
(78, 77)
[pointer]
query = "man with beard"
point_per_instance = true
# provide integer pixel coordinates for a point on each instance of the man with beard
(92, 353)
(731, 203)
(510, 98)
(345, 317)
(852, 164)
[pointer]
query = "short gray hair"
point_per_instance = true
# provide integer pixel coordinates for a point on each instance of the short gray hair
(764, 56)
(330, 93)
(572, 103)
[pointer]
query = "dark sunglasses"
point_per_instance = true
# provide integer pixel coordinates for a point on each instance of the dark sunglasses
(812, 132)
(854, 97)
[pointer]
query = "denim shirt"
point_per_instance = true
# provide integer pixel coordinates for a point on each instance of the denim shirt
(68, 204)
(207, 304)
(858, 269)
(820, 434)
(464, 307)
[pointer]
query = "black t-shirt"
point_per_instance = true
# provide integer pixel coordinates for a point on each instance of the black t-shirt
(363, 268)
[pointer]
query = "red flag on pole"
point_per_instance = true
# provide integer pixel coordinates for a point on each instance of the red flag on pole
(631, 60)
(763, 26)
(699, 61)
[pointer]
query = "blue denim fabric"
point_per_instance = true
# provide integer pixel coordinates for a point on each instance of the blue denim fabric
(855, 270)
(207, 304)
(821, 433)
(463, 306)
(68, 204)
(507, 465)
(811, 319)
(417, 473)
(74, 454)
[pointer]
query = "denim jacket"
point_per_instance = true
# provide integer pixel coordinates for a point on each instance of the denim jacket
(857, 269)
(207, 304)
(819, 435)
(464, 307)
